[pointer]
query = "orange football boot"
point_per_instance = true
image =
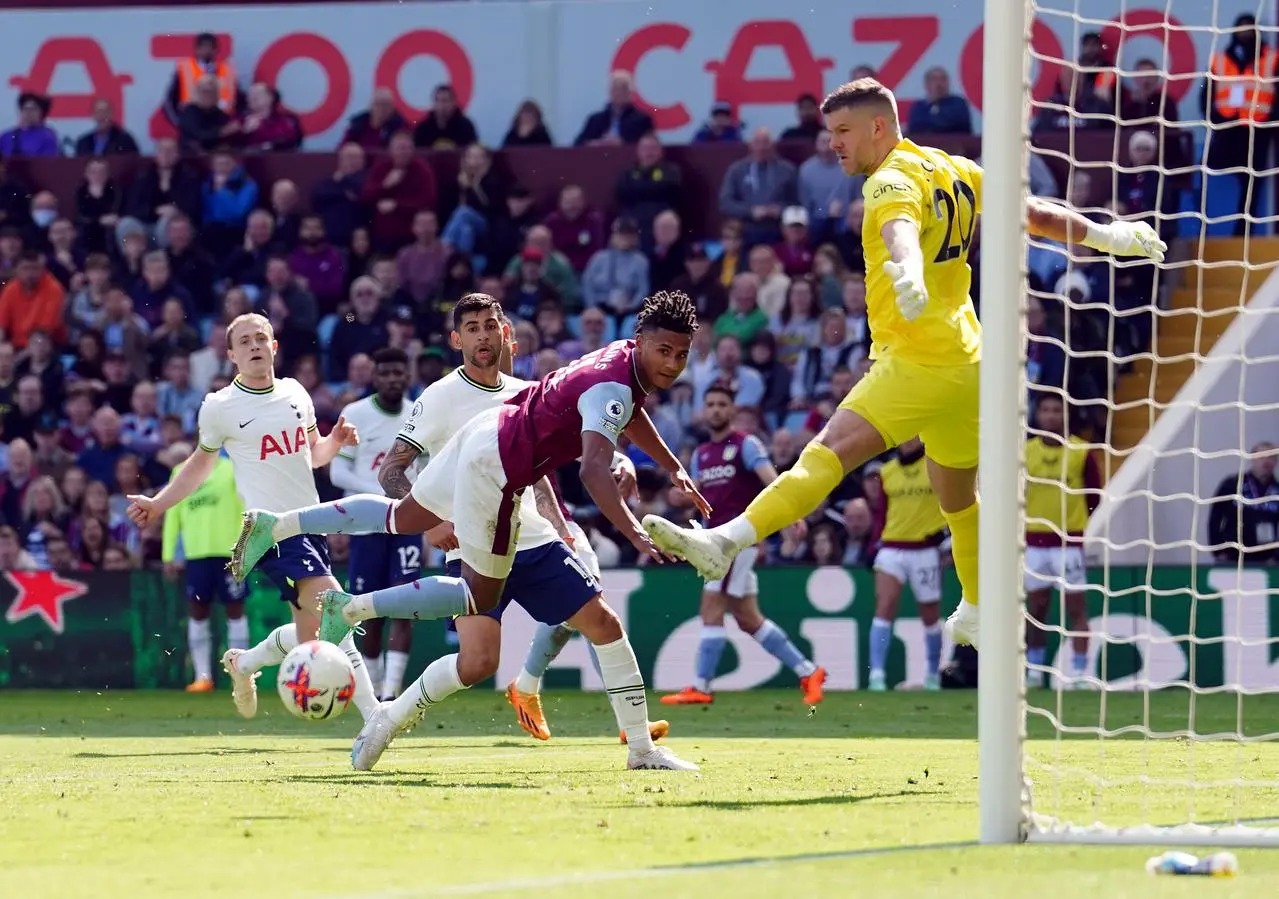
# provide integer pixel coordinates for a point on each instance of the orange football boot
(656, 730)
(528, 711)
(200, 685)
(812, 686)
(688, 696)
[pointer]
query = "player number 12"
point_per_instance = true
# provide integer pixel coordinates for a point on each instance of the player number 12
(941, 198)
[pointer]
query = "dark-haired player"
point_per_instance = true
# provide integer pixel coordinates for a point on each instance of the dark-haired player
(379, 561)
(468, 497)
(730, 469)
(921, 208)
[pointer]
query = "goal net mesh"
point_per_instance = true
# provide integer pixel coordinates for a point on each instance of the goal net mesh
(1150, 700)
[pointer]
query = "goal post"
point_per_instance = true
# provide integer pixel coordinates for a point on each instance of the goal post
(1000, 715)
(1172, 733)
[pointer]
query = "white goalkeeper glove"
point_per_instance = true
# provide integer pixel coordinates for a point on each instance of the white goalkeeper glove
(908, 284)
(1126, 239)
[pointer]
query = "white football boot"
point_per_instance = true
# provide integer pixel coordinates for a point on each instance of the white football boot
(378, 732)
(659, 758)
(876, 683)
(961, 626)
(244, 687)
(708, 552)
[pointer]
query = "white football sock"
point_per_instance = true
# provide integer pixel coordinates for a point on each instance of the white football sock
(739, 531)
(359, 609)
(625, 688)
(439, 680)
(237, 633)
(365, 698)
(393, 674)
(200, 641)
(374, 666)
(286, 526)
(528, 683)
(270, 651)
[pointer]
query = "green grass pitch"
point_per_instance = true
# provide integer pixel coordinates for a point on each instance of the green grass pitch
(146, 795)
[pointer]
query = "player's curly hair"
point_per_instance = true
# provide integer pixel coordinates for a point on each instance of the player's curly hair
(669, 310)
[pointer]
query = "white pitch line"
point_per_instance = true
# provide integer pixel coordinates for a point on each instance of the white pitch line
(592, 877)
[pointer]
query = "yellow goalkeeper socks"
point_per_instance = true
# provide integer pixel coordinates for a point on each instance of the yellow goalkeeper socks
(797, 492)
(963, 547)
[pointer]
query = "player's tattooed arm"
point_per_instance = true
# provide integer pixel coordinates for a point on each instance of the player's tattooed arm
(549, 508)
(394, 473)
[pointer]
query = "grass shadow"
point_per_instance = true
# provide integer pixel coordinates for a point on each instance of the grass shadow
(744, 805)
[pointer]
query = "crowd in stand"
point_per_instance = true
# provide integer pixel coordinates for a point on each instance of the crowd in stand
(113, 311)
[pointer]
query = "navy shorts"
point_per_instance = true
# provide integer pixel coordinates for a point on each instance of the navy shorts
(303, 556)
(208, 579)
(548, 581)
(379, 561)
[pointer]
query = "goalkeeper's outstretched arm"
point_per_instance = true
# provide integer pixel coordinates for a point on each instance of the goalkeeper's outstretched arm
(1054, 221)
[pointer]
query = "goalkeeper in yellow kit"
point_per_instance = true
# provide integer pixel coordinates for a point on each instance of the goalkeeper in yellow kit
(921, 209)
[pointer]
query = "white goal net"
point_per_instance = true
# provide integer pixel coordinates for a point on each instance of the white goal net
(1129, 672)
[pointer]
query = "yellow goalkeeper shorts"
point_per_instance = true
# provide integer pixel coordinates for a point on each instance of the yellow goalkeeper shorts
(903, 399)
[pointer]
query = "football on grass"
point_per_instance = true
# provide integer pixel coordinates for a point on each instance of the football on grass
(316, 681)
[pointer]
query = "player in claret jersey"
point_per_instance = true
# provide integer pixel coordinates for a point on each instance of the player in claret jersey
(267, 427)
(1063, 487)
(730, 469)
(379, 561)
(469, 497)
(921, 208)
(908, 554)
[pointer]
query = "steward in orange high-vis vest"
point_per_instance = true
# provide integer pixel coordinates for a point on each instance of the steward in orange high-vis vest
(1239, 99)
(190, 70)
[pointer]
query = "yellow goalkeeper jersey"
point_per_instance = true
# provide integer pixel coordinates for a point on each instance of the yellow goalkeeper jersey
(912, 517)
(941, 195)
(1061, 490)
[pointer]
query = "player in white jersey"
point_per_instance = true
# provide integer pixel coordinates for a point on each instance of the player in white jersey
(378, 561)
(547, 579)
(267, 427)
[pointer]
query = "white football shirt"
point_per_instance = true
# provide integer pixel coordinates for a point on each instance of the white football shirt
(266, 433)
(377, 428)
(442, 410)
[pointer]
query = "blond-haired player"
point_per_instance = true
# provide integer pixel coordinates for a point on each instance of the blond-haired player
(1063, 484)
(267, 427)
(909, 553)
(921, 209)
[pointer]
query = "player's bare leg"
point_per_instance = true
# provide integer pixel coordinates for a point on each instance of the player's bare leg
(245, 665)
(710, 648)
(847, 442)
(398, 646)
(888, 591)
(200, 645)
(745, 611)
(598, 623)
(956, 490)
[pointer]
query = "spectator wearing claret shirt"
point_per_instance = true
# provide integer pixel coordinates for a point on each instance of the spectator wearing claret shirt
(756, 190)
(337, 198)
(445, 127)
(575, 228)
(32, 137)
(398, 187)
(420, 265)
(266, 125)
(107, 137)
(809, 117)
(940, 112)
(720, 127)
(794, 252)
(620, 122)
(32, 301)
(318, 264)
(528, 128)
(229, 195)
(374, 128)
(652, 185)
